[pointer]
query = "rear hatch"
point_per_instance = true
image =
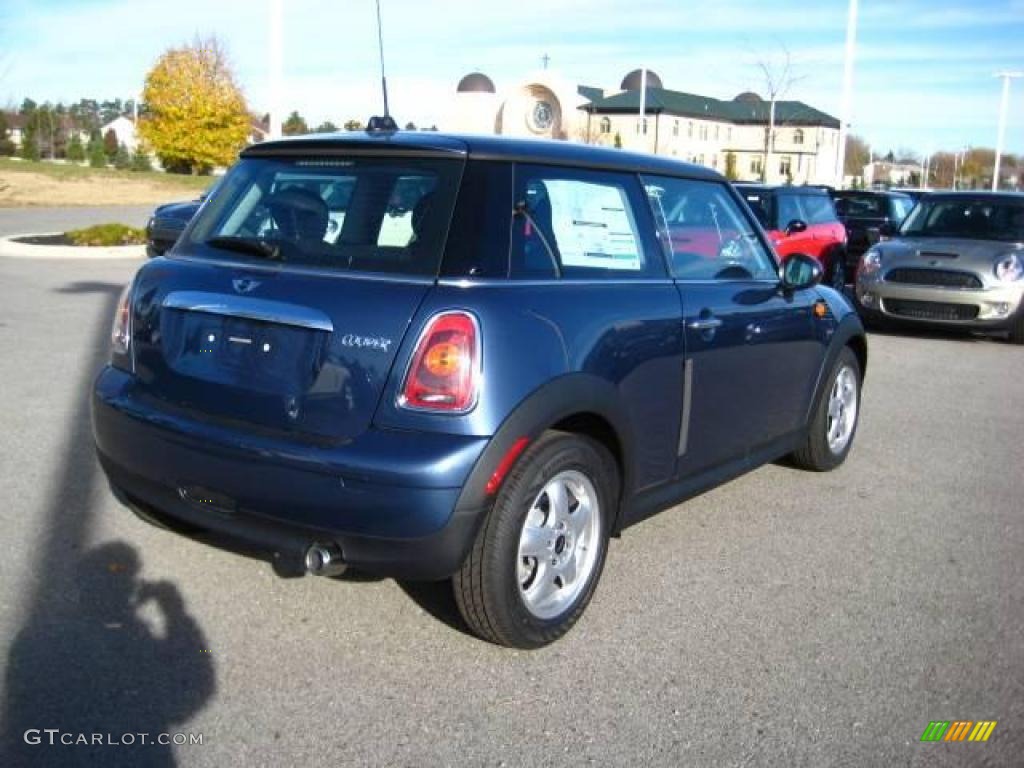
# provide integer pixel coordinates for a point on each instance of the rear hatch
(287, 299)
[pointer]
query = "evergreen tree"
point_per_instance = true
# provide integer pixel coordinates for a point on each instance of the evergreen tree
(140, 159)
(75, 151)
(6, 145)
(110, 144)
(97, 155)
(122, 158)
(327, 127)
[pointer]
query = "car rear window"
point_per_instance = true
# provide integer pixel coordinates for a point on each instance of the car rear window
(862, 206)
(376, 214)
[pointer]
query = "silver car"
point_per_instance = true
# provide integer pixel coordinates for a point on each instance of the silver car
(957, 260)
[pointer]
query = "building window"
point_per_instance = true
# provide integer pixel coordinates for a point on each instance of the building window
(703, 133)
(700, 159)
(675, 128)
(606, 125)
(689, 129)
(728, 133)
(714, 161)
(798, 136)
(786, 165)
(717, 128)
(755, 165)
(641, 126)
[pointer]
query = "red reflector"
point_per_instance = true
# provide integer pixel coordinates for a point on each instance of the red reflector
(445, 368)
(505, 465)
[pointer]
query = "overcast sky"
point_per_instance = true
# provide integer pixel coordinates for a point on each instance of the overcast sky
(924, 70)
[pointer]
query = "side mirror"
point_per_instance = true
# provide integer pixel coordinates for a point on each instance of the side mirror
(796, 226)
(800, 271)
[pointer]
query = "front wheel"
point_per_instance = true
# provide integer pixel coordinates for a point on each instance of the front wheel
(537, 558)
(834, 422)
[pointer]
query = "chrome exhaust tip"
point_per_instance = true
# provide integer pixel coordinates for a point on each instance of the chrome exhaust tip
(324, 560)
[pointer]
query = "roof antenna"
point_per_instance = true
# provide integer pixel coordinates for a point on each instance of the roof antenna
(384, 122)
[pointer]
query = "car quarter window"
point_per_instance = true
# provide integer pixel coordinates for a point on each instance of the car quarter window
(818, 209)
(580, 224)
(705, 233)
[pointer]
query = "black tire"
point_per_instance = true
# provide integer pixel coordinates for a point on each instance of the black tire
(1016, 335)
(837, 273)
(815, 453)
(487, 588)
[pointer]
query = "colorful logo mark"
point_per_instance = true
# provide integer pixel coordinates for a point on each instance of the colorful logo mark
(958, 730)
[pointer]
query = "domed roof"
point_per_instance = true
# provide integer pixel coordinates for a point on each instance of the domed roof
(748, 97)
(632, 81)
(475, 82)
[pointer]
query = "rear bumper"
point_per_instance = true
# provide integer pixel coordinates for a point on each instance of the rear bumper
(388, 498)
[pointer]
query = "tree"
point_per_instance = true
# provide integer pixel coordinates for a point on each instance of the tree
(730, 166)
(858, 155)
(410, 126)
(196, 116)
(140, 159)
(110, 144)
(97, 155)
(353, 125)
(6, 145)
(75, 151)
(29, 145)
(778, 78)
(294, 125)
(122, 158)
(327, 127)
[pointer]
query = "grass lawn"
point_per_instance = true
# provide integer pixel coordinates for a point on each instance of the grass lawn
(71, 172)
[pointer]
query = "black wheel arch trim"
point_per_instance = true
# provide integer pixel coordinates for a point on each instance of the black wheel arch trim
(566, 396)
(849, 332)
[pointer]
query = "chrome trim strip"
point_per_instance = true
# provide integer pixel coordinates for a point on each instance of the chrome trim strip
(249, 308)
(510, 282)
(249, 266)
(684, 420)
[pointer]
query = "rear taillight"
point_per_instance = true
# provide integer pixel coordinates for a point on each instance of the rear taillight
(444, 374)
(120, 332)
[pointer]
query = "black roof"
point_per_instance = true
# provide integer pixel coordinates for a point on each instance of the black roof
(479, 147)
(976, 194)
(767, 189)
(870, 193)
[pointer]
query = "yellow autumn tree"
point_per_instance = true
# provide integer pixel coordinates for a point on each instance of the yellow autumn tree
(195, 114)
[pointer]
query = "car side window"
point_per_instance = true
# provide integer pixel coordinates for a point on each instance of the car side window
(704, 231)
(789, 210)
(818, 209)
(578, 223)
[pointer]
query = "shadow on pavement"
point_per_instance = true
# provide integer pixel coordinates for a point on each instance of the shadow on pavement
(87, 659)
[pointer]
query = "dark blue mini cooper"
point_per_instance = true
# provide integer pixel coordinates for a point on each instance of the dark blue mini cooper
(436, 357)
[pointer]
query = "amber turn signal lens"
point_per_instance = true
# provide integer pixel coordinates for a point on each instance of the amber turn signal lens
(443, 359)
(820, 310)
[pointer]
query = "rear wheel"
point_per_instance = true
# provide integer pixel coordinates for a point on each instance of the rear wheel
(537, 559)
(834, 422)
(1017, 329)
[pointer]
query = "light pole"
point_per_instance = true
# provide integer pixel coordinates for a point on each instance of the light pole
(845, 104)
(275, 62)
(1003, 106)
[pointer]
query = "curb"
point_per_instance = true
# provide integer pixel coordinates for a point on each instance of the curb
(14, 250)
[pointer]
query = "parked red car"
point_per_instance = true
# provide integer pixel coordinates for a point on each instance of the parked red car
(801, 220)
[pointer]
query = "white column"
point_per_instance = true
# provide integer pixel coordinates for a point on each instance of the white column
(276, 57)
(1003, 106)
(845, 104)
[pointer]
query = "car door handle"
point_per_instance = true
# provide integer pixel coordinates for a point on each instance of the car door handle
(704, 324)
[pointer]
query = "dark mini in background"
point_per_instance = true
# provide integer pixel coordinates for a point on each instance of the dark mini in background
(476, 359)
(168, 222)
(868, 216)
(801, 220)
(957, 262)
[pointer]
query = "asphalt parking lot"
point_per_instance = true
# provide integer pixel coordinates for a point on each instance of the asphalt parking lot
(784, 619)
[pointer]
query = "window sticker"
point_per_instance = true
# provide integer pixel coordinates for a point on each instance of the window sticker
(593, 226)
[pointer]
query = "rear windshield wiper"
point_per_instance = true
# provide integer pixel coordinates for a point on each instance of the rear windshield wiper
(249, 245)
